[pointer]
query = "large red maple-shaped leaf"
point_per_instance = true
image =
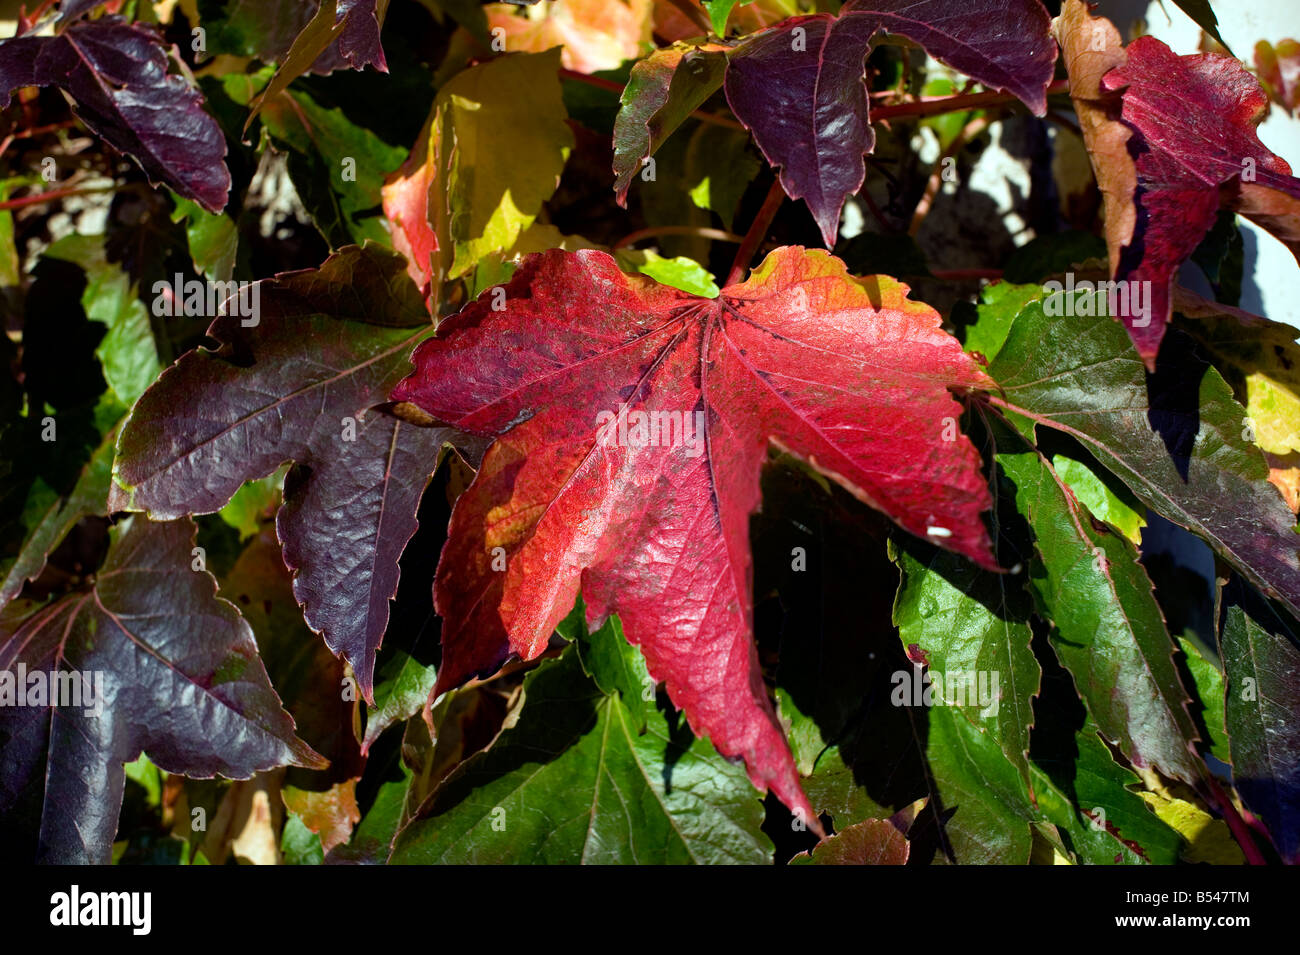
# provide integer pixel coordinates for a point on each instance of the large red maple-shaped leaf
(649, 517)
(1194, 146)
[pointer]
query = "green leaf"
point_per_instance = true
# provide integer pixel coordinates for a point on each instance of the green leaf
(902, 749)
(337, 166)
(1207, 678)
(1260, 359)
(1108, 629)
(1081, 375)
(1115, 504)
(254, 503)
(508, 123)
(372, 839)
(973, 627)
(213, 239)
(614, 664)
(1262, 666)
(573, 781)
(298, 844)
(663, 90)
(258, 28)
(321, 30)
(50, 517)
(1088, 799)
(402, 684)
(1002, 302)
(149, 777)
(719, 11)
(10, 265)
(719, 168)
(666, 201)
(1205, 838)
(979, 793)
(127, 349)
(680, 272)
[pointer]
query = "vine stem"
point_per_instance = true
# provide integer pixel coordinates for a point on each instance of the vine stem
(719, 235)
(935, 183)
(966, 275)
(934, 105)
(613, 86)
(51, 195)
(757, 230)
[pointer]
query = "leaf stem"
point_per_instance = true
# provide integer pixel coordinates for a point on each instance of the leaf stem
(757, 231)
(1236, 825)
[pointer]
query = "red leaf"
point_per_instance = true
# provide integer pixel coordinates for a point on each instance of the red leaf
(845, 373)
(1194, 119)
(406, 206)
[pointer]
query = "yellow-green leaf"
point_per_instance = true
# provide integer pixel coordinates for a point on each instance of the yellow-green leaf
(508, 124)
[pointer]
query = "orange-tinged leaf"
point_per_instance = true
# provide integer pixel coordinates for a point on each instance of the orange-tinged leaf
(595, 34)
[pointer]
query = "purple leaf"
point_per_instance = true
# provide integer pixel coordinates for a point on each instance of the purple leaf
(800, 86)
(173, 671)
(116, 74)
(358, 45)
(302, 385)
(804, 97)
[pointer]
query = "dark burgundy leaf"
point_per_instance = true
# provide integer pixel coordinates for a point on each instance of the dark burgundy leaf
(800, 86)
(116, 74)
(303, 386)
(359, 44)
(174, 671)
(808, 109)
